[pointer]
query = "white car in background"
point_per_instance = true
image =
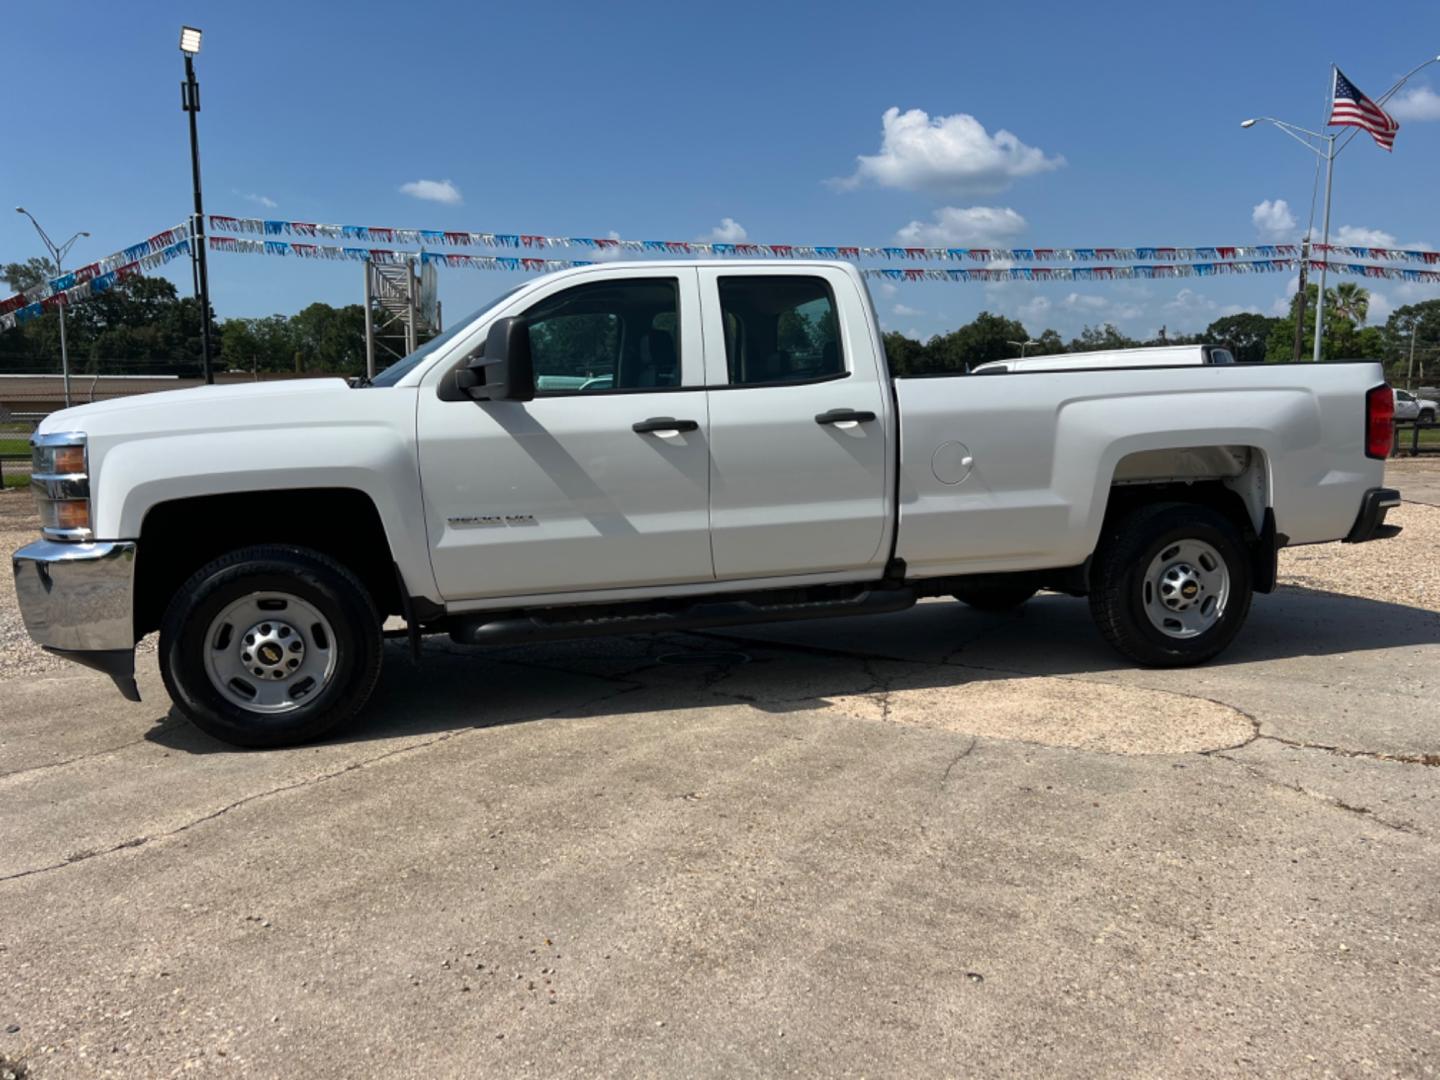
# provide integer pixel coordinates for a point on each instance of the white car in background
(1410, 407)
(1156, 356)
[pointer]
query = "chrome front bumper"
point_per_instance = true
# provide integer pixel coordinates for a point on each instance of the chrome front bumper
(76, 600)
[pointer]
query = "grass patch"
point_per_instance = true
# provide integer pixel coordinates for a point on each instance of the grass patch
(12, 447)
(15, 480)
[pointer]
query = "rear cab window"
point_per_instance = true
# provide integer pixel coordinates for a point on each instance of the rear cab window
(780, 329)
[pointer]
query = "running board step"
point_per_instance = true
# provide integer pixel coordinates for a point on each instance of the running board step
(512, 629)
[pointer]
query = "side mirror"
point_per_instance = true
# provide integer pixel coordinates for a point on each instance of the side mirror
(502, 371)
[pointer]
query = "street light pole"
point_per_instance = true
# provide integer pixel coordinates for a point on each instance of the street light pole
(1022, 345)
(1324, 247)
(190, 103)
(1304, 136)
(57, 256)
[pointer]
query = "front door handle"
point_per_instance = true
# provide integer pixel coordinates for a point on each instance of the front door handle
(664, 423)
(841, 416)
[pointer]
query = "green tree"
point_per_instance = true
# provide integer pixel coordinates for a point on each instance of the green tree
(986, 338)
(1415, 325)
(904, 355)
(24, 275)
(1344, 339)
(1245, 334)
(330, 338)
(1047, 344)
(1093, 338)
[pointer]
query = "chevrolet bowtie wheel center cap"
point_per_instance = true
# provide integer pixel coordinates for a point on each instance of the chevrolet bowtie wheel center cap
(272, 650)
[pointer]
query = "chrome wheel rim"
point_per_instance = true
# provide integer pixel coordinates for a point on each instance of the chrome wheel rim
(270, 652)
(1185, 589)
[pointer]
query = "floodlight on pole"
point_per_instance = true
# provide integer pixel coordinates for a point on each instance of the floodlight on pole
(57, 254)
(190, 103)
(1247, 123)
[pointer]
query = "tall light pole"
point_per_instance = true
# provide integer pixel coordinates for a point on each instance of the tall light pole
(57, 255)
(1021, 345)
(190, 103)
(1309, 139)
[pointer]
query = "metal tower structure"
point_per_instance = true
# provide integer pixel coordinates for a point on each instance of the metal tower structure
(401, 311)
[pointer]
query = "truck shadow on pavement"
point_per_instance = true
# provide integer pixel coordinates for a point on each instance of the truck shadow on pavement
(799, 667)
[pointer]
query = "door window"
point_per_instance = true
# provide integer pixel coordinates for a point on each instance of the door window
(780, 329)
(605, 336)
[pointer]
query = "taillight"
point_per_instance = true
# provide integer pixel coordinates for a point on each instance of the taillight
(1379, 421)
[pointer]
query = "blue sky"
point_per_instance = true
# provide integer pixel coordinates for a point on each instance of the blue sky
(662, 120)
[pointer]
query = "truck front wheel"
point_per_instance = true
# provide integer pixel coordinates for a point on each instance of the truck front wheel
(1171, 585)
(270, 646)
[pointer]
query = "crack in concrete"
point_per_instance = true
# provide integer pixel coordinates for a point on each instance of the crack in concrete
(961, 756)
(162, 726)
(139, 841)
(1320, 797)
(1428, 760)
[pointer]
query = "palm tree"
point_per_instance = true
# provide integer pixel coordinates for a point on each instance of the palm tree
(1350, 301)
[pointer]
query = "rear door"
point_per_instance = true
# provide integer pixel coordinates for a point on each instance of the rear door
(800, 439)
(602, 481)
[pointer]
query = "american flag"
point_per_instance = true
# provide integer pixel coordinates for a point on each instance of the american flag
(1350, 108)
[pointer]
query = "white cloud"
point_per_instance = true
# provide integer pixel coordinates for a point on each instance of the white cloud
(441, 191)
(1357, 236)
(946, 154)
(1380, 308)
(260, 200)
(888, 290)
(906, 311)
(1416, 104)
(1273, 219)
(729, 231)
(969, 226)
(608, 254)
(1188, 304)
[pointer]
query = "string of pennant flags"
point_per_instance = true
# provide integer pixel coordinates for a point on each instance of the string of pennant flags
(536, 241)
(534, 264)
(1143, 262)
(93, 283)
(126, 257)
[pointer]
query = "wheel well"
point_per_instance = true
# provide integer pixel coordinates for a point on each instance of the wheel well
(180, 536)
(1212, 493)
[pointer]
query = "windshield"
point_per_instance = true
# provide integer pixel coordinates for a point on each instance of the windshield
(398, 370)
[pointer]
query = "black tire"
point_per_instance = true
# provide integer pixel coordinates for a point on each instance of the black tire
(993, 595)
(1117, 595)
(1428, 416)
(310, 577)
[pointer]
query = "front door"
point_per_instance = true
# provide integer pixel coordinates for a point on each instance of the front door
(589, 486)
(800, 446)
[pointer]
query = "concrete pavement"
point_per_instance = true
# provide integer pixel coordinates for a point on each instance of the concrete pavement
(937, 843)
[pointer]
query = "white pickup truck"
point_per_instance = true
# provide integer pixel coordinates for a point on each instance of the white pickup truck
(647, 447)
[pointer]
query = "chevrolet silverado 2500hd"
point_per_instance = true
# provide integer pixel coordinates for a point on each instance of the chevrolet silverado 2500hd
(643, 447)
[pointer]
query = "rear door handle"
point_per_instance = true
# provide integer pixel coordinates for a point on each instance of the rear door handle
(840, 416)
(664, 423)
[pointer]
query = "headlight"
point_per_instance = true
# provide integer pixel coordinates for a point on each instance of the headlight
(61, 479)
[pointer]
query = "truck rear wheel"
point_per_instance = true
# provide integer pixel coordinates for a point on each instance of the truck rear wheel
(270, 646)
(1172, 584)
